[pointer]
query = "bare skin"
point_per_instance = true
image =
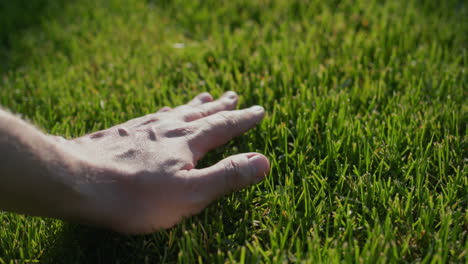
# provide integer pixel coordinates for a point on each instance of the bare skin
(136, 177)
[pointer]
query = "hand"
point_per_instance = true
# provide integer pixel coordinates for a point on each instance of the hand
(140, 176)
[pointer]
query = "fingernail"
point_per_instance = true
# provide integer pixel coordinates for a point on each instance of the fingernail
(230, 95)
(256, 108)
(260, 167)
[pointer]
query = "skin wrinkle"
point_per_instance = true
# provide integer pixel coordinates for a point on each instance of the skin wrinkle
(231, 175)
(188, 166)
(229, 122)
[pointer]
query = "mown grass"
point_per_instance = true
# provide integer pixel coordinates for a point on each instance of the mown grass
(366, 127)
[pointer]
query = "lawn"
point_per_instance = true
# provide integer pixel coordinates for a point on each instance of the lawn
(366, 124)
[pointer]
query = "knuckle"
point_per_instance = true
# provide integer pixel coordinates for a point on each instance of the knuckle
(165, 109)
(231, 173)
(98, 134)
(153, 116)
(184, 108)
(152, 133)
(203, 112)
(123, 132)
(189, 113)
(233, 167)
(227, 120)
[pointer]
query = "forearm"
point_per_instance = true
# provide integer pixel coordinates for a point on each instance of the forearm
(34, 172)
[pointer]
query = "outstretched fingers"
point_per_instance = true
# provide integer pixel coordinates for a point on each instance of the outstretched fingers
(217, 129)
(194, 111)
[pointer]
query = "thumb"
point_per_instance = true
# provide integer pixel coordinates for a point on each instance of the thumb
(230, 174)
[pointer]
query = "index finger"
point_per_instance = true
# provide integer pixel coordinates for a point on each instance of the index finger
(217, 129)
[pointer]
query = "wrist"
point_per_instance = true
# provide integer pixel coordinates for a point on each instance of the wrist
(64, 171)
(92, 187)
(36, 172)
(45, 175)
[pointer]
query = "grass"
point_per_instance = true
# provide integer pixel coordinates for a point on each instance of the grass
(366, 127)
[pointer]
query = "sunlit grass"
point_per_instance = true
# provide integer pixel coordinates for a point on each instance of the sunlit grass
(366, 121)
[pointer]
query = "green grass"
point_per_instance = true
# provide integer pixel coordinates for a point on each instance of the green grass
(366, 124)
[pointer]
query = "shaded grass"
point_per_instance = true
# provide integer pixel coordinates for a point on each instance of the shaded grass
(366, 124)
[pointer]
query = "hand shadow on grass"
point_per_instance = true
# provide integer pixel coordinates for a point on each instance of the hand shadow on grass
(81, 244)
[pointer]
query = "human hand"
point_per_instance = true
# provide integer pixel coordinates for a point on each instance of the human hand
(140, 176)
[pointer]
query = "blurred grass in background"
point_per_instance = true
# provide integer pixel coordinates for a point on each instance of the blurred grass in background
(366, 124)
